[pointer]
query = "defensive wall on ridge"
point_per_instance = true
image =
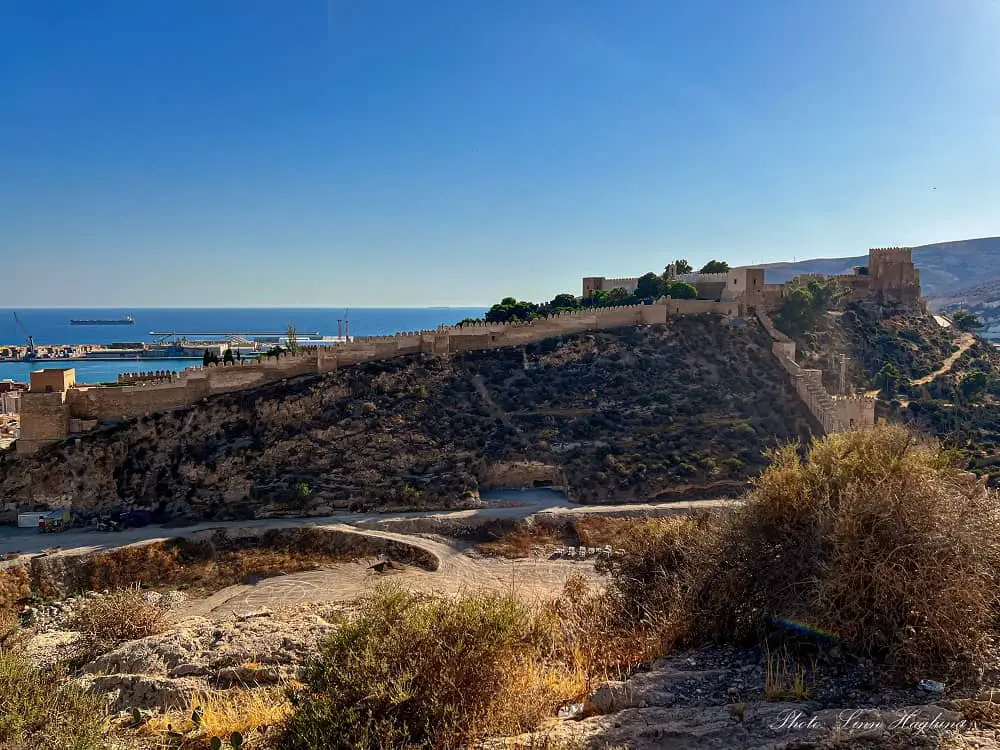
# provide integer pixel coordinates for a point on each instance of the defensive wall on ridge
(48, 417)
(57, 408)
(833, 413)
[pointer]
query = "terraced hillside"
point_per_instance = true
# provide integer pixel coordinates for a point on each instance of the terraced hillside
(631, 414)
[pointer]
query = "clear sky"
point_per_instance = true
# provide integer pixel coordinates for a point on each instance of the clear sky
(448, 152)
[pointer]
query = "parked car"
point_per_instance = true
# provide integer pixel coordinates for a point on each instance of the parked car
(124, 519)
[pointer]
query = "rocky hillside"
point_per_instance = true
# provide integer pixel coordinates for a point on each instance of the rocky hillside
(632, 414)
(935, 393)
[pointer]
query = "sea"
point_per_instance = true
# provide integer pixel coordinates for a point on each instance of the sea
(52, 326)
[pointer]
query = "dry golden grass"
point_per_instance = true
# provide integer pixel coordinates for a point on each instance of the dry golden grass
(178, 563)
(873, 540)
(595, 637)
(784, 679)
(249, 712)
(119, 615)
(599, 530)
(520, 542)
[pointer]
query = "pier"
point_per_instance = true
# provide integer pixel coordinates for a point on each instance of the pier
(239, 334)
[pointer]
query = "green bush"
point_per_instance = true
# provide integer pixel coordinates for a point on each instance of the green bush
(414, 671)
(36, 715)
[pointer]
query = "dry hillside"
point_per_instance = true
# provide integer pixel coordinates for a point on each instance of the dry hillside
(965, 417)
(629, 414)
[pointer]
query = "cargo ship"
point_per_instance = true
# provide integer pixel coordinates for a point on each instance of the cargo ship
(126, 321)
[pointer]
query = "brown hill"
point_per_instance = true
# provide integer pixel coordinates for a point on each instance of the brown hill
(630, 414)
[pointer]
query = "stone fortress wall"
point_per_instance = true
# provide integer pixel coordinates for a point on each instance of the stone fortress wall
(69, 409)
(56, 407)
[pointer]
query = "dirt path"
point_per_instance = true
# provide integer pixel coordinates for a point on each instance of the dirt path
(460, 568)
(965, 343)
(507, 504)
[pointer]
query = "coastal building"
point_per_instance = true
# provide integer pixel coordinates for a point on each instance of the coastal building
(10, 396)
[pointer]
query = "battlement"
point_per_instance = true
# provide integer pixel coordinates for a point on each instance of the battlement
(891, 253)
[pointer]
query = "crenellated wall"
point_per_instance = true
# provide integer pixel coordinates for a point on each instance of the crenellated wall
(48, 417)
(833, 413)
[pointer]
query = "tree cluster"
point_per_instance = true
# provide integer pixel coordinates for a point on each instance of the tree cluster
(805, 304)
(650, 286)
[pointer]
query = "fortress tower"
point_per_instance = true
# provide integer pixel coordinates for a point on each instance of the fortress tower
(893, 277)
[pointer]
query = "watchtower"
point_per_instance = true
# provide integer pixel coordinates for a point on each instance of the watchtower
(893, 276)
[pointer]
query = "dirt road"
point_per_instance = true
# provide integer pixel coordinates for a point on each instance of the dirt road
(502, 504)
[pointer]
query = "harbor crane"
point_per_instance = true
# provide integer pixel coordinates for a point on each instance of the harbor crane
(29, 340)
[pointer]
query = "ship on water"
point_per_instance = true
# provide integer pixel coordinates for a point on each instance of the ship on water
(126, 321)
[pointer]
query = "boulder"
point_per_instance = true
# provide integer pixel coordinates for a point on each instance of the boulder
(609, 698)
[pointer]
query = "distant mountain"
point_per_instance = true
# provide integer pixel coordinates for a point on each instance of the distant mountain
(947, 269)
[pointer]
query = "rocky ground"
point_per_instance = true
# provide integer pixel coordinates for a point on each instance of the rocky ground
(718, 698)
(715, 697)
(627, 415)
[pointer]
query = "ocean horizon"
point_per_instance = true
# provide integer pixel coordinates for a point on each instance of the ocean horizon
(51, 325)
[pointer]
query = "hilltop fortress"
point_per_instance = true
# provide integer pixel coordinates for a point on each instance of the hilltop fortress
(56, 407)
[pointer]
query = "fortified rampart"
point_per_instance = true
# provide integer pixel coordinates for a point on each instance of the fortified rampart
(56, 407)
(833, 413)
(69, 409)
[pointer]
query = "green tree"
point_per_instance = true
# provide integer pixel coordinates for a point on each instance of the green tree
(206, 359)
(681, 290)
(228, 357)
(564, 302)
(619, 296)
(509, 309)
(973, 384)
(715, 266)
(649, 286)
(292, 341)
(887, 380)
(966, 321)
(681, 266)
(797, 310)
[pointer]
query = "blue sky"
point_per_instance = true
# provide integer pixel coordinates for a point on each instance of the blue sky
(448, 152)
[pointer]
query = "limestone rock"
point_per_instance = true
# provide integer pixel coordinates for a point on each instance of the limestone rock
(127, 691)
(610, 697)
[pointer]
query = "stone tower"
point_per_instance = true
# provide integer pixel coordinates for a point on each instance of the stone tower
(893, 277)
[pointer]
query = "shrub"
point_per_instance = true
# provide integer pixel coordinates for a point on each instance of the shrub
(411, 671)
(120, 615)
(874, 539)
(36, 715)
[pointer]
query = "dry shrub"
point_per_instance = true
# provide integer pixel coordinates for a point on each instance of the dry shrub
(601, 643)
(417, 671)
(121, 615)
(599, 531)
(37, 713)
(521, 542)
(873, 539)
(15, 586)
